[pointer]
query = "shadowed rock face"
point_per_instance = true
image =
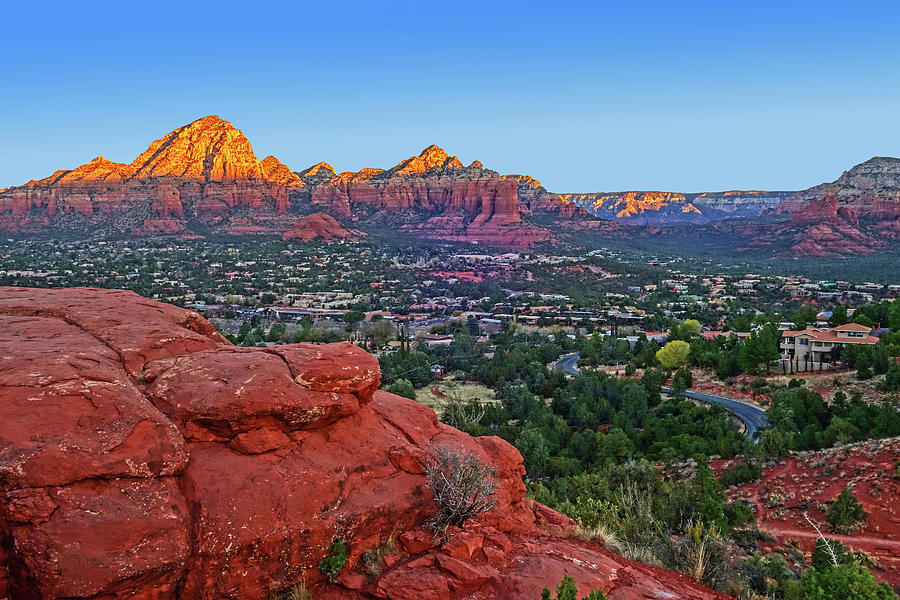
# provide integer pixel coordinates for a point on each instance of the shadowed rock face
(143, 456)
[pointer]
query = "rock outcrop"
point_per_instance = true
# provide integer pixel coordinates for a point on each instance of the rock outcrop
(855, 214)
(434, 195)
(143, 456)
(319, 226)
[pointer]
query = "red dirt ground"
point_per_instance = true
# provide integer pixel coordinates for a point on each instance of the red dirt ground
(804, 483)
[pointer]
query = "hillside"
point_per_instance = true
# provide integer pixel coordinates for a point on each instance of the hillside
(204, 178)
(807, 483)
(143, 456)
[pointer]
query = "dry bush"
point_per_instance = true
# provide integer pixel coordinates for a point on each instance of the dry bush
(601, 534)
(462, 486)
(298, 591)
(373, 558)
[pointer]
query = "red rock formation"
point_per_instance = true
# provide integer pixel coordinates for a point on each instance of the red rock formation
(202, 170)
(851, 215)
(319, 226)
(206, 172)
(143, 456)
(437, 197)
(823, 228)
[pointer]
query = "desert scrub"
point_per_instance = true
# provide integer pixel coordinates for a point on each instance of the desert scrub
(298, 591)
(334, 562)
(462, 487)
(373, 558)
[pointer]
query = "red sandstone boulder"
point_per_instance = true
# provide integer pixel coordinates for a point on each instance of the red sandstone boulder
(143, 456)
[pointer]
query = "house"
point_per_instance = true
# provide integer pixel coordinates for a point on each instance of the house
(433, 340)
(820, 345)
(437, 370)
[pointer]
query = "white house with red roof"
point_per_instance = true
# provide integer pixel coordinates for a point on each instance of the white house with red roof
(819, 345)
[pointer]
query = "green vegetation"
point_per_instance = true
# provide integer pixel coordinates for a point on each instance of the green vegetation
(846, 512)
(801, 420)
(335, 561)
(842, 582)
(403, 387)
(567, 590)
(674, 354)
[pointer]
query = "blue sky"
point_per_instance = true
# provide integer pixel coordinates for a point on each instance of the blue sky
(592, 96)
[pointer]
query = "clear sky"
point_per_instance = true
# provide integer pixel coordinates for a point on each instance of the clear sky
(592, 96)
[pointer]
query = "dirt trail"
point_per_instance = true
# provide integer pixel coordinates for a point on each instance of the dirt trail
(867, 544)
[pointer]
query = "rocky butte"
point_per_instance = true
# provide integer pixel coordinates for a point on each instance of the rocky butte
(320, 226)
(143, 456)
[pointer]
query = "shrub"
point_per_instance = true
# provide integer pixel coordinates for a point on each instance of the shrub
(892, 378)
(334, 562)
(373, 558)
(403, 387)
(462, 486)
(298, 591)
(682, 379)
(699, 554)
(842, 582)
(567, 590)
(742, 473)
(603, 535)
(845, 512)
(828, 551)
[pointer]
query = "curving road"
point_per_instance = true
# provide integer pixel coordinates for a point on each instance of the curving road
(566, 364)
(750, 415)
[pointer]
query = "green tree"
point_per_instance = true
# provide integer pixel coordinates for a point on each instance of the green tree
(843, 582)
(534, 448)
(353, 316)
(838, 317)
(894, 315)
(760, 348)
(275, 332)
(687, 330)
(892, 378)
(845, 512)
(674, 354)
(804, 317)
(403, 387)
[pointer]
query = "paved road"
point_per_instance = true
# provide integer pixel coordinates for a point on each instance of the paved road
(566, 364)
(752, 416)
